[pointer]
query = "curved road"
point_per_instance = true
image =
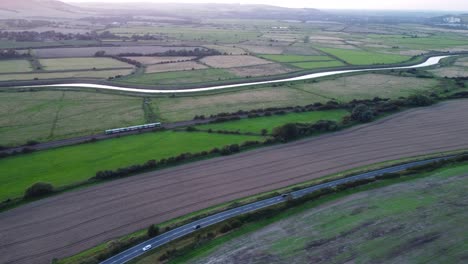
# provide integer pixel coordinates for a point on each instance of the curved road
(176, 233)
(65, 224)
(429, 62)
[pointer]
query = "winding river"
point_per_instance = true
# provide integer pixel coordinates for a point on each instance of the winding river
(429, 62)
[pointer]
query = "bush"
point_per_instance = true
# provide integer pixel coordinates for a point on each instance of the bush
(286, 132)
(362, 113)
(38, 189)
(153, 231)
(420, 100)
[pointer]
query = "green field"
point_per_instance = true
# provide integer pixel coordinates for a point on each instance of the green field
(317, 64)
(82, 64)
(207, 34)
(10, 66)
(295, 58)
(50, 115)
(73, 164)
(255, 125)
(359, 57)
(414, 221)
(63, 75)
(180, 77)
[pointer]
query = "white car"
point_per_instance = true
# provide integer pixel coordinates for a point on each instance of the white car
(147, 247)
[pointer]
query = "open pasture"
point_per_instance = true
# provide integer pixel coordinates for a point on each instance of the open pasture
(146, 60)
(64, 75)
(180, 77)
(50, 115)
(78, 163)
(71, 64)
(15, 66)
(255, 125)
(309, 65)
(233, 61)
(295, 58)
(177, 66)
(261, 70)
(90, 51)
(360, 57)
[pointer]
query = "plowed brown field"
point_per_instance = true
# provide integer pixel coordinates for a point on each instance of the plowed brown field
(68, 223)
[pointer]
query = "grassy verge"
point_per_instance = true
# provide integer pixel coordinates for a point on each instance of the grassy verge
(141, 235)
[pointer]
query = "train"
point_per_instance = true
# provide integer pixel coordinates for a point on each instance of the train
(131, 128)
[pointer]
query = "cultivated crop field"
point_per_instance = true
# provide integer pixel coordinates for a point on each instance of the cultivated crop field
(406, 222)
(96, 214)
(74, 164)
(70, 64)
(255, 125)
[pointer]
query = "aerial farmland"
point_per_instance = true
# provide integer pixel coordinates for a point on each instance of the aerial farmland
(232, 133)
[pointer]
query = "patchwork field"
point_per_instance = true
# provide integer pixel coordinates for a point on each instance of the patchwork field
(419, 221)
(82, 64)
(255, 125)
(177, 66)
(233, 61)
(87, 217)
(14, 66)
(50, 115)
(73, 164)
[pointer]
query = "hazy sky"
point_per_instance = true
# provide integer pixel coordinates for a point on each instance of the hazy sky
(441, 5)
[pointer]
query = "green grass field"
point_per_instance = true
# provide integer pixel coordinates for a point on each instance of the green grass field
(295, 58)
(207, 34)
(64, 75)
(255, 125)
(317, 64)
(358, 57)
(73, 164)
(11, 66)
(418, 220)
(50, 115)
(180, 77)
(82, 64)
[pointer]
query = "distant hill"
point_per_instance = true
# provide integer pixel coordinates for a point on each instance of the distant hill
(37, 8)
(226, 11)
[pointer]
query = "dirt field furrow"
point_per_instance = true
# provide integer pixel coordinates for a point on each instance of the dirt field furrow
(66, 224)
